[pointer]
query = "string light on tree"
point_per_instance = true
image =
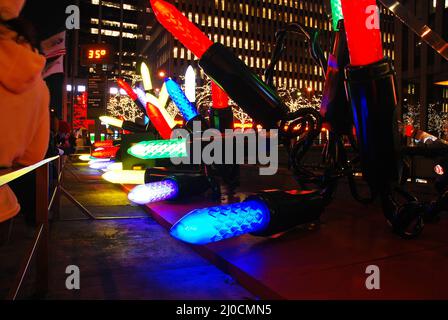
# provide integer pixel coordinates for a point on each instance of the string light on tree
(122, 107)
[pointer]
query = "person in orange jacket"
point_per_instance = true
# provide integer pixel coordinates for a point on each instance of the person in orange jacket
(24, 102)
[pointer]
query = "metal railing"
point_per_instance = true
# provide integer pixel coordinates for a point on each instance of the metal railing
(39, 246)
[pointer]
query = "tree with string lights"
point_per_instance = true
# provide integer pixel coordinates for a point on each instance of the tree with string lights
(122, 107)
(292, 97)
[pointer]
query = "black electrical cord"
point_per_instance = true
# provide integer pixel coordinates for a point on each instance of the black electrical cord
(313, 41)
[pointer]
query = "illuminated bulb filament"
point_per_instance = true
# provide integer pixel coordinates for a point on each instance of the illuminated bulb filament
(336, 11)
(127, 88)
(361, 21)
(213, 224)
(219, 97)
(146, 75)
(112, 122)
(160, 149)
(186, 108)
(179, 26)
(190, 84)
(125, 177)
(154, 192)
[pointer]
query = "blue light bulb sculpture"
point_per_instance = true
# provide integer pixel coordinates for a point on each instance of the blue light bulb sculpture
(214, 224)
(153, 192)
(265, 214)
(171, 188)
(186, 108)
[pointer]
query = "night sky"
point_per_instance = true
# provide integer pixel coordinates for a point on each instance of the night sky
(47, 16)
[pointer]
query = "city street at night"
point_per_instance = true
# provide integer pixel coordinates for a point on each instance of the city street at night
(230, 159)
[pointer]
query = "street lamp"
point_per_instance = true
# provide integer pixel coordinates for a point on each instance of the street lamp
(310, 91)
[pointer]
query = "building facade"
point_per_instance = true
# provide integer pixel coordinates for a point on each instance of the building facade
(123, 24)
(422, 72)
(248, 27)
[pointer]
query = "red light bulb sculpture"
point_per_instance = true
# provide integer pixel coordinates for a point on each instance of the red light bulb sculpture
(221, 114)
(131, 93)
(158, 120)
(363, 32)
(227, 70)
(179, 26)
(101, 144)
(105, 152)
(371, 87)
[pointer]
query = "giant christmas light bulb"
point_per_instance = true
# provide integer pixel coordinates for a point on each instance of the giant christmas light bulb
(372, 92)
(97, 160)
(146, 98)
(85, 157)
(159, 149)
(336, 12)
(178, 25)
(101, 144)
(127, 88)
(146, 75)
(221, 114)
(106, 152)
(158, 120)
(163, 96)
(125, 177)
(160, 104)
(141, 96)
(153, 192)
(186, 108)
(132, 94)
(114, 122)
(361, 20)
(170, 188)
(155, 114)
(265, 214)
(203, 226)
(259, 100)
(116, 166)
(100, 165)
(190, 84)
(220, 98)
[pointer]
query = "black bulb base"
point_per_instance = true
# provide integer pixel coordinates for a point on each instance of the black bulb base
(335, 107)
(289, 209)
(247, 89)
(373, 96)
(221, 119)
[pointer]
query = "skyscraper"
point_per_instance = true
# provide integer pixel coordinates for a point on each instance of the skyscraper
(121, 24)
(124, 24)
